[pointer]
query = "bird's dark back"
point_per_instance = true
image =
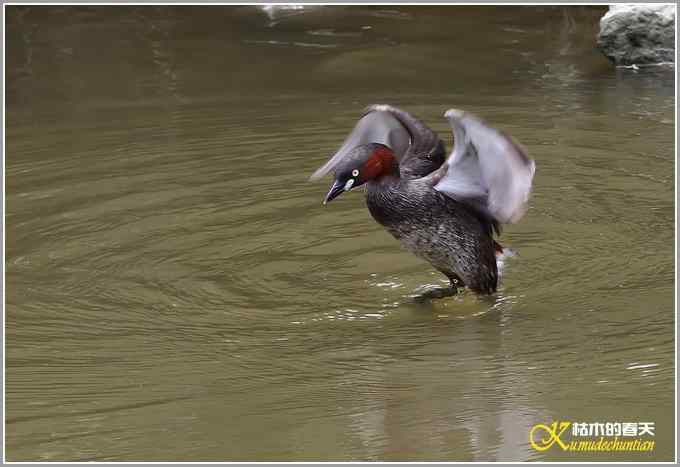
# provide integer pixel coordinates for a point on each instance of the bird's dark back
(422, 164)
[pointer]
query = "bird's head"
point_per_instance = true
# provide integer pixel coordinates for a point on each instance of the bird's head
(362, 164)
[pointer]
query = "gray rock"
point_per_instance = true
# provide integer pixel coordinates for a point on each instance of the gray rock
(638, 34)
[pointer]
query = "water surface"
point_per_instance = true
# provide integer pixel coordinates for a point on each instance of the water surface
(176, 291)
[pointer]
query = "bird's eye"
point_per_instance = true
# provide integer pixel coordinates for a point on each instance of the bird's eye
(355, 172)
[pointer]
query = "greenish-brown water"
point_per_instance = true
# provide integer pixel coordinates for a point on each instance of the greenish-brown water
(176, 291)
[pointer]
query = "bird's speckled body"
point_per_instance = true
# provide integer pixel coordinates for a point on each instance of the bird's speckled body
(448, 234)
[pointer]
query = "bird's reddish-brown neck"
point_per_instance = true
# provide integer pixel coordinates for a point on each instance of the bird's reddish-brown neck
(382, 162)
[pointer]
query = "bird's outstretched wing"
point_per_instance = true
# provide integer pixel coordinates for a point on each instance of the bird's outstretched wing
(426, 151)
(375, 126)
(486, 168)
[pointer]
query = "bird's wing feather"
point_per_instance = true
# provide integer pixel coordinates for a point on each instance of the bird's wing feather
(426, 151)
(486, 168)
(375, 126)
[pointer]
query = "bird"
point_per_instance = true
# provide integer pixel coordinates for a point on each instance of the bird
(445, 210)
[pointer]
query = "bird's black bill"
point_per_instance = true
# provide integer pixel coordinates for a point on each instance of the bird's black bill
(336, 190)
